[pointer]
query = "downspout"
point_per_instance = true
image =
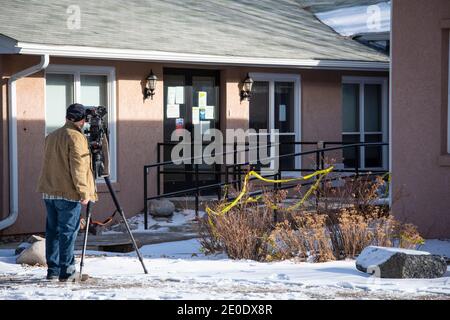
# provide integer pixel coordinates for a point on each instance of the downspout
(12, 140)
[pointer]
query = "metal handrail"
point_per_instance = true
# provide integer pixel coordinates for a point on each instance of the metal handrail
(237, 169)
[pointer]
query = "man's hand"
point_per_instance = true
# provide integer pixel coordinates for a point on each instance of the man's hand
(84, 202)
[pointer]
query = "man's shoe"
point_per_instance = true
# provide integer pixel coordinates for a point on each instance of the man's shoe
(75, 277)
(52, 277)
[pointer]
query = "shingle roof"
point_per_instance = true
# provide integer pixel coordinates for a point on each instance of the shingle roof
(263, 28)
(326, 5)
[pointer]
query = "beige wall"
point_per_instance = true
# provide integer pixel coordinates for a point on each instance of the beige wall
(420, 163)
(139, 125)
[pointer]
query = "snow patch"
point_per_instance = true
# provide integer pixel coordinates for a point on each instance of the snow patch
(178, 270)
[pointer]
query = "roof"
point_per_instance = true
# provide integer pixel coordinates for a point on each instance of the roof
(279, 29)
(328, 5)
(373, 36)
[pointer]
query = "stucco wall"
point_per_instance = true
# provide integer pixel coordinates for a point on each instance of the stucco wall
(139, 125)
(420, 165)
(138, 131)
(3, 212)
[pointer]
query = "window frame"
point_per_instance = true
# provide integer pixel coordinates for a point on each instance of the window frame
(297, 80)
(110, 73)
(362, 81)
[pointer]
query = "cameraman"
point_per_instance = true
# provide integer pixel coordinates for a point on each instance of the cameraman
(66, 183)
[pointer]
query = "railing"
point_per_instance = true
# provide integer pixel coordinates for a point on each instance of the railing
(236, 170)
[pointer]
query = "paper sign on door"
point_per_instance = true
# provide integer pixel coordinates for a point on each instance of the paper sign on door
(173, 111)
(179, 95)
(179, 123)
(171, 95)
(202, 98)
(195, 115)
(209, 112)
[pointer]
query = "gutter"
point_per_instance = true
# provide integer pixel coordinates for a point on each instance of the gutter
(12, 140)
(192, 58)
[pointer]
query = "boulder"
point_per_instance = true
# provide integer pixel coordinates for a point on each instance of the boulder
(21, 247)
(34, 238)
(161, 208)
(400, 263)
(34, 255)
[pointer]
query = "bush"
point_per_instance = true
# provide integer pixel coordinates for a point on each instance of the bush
(339, 225)
(242, 232)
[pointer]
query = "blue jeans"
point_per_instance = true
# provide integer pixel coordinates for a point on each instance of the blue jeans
(63, 223)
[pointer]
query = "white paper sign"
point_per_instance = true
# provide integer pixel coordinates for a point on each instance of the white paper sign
(195, 115)
(171, 94)
(202, 98)
(179, 95)
(173, 111)
(209, 112)
(282, 113)
(204, 126)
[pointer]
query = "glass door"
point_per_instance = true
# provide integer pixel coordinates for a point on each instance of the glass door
(284, 117)
(365, 119)
(275, 105)
(191, 102)
(259, 117)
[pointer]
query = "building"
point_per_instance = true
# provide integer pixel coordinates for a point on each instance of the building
(377, 40)
(420, 114)
(54, 53)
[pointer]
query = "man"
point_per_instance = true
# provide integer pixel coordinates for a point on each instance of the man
(66, 183)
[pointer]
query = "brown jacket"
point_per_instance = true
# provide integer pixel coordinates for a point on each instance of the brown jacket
(67, 169)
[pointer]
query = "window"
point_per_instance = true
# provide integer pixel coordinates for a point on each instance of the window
(364, 119)
(91, 86)
(448, 99)
(276, 104)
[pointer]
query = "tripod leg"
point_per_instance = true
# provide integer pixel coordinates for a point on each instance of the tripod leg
(88, 222)
(122, 214)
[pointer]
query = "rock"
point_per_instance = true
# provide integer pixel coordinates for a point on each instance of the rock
(399, 263)
(120, 227)
(34, 255)
(161, 208)
(24, 245)
(21, 247)
(34, 238)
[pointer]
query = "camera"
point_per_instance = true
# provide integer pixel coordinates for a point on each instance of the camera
(96, 133)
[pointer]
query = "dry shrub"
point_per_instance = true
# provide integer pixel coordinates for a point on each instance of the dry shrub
(344, 222)
(305, 237)
(242, 232)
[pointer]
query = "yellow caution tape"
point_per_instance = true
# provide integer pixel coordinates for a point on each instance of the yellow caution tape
(229, 206)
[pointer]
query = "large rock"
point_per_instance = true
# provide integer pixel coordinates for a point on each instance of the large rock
(34, 255)
(21, 247)
(161, 208)
(24, 245)
(35, 238)
(400, 263)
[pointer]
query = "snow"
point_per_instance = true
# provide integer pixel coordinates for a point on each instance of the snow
(374, 256)
(435, 246)
(178, 270)
(357, 19)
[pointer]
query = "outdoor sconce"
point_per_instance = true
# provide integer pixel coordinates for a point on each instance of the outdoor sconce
(246, 88)
(150, 85)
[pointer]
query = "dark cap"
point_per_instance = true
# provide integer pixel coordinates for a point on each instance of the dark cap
(75, 112)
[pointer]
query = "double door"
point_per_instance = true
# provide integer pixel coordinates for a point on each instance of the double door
(191, 102)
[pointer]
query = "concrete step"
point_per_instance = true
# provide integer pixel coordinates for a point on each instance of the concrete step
(121, 242)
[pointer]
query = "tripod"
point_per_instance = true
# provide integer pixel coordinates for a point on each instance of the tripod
(122, 214)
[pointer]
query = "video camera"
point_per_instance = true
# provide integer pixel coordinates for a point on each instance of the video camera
(97, 135)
